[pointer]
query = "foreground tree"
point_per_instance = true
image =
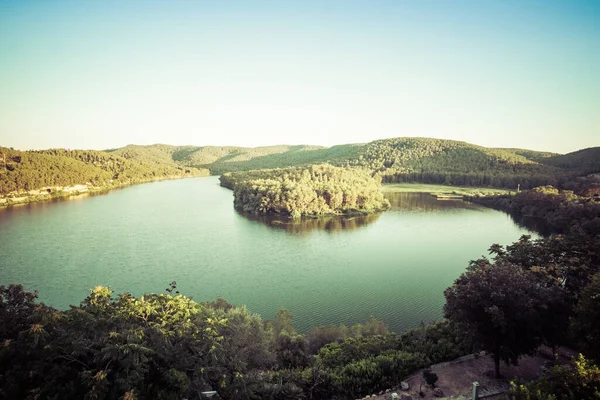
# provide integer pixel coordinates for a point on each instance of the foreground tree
(581, 380)
(501, 307)
(586, 323)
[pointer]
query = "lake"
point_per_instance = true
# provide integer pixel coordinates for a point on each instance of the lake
(393, 266)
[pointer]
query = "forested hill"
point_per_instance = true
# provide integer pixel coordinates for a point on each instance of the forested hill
(30, 170)
(586, 161)
(221, 159)
(394, 160)
(458, 163)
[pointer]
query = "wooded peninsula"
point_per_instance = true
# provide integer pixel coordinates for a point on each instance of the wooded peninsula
(315, 190)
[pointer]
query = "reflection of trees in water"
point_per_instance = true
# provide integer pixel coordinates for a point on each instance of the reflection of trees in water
(426, 202)
(46, 204)
(534, 224)
(327, 223)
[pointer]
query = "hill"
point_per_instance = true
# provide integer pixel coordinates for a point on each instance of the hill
(583, 162)
(30, 170)
(393, 160)
(221, 159)
(538, 156)
(456, 163)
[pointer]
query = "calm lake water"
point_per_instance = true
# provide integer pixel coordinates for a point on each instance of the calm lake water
(394, 266)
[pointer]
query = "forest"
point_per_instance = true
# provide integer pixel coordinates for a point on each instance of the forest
(402, 160)
(391, 160)
(561, 210)
(456, 163)
(167, 346)
(29, 170)
(306, 191)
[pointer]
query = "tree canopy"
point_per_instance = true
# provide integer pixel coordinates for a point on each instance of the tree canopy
(502, 307)
(167, 346)
(31, 170)
(586, 321)
(306, 191)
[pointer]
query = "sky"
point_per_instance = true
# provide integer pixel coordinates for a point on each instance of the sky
(103, 74)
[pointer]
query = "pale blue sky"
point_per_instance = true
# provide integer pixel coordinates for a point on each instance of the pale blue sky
(102, 74)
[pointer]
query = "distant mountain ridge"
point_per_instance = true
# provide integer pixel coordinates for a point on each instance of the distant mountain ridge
(221, 159)
(404, 159)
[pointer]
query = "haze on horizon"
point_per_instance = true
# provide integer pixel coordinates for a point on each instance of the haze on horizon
(103, 74)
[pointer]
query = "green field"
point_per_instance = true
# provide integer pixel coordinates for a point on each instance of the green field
(441, 189)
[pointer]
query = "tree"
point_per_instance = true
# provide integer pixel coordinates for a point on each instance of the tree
(283, 322)
(581, 380)
(501, 307)
(586, 323)
(16, 310)
(291, 350)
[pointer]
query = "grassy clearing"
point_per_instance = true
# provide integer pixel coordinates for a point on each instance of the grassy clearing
(441, 189)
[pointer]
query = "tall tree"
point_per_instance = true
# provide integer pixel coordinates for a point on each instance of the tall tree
(501, 307)
(586, 323)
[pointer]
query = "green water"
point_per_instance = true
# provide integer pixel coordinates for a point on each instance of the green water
(393, 266)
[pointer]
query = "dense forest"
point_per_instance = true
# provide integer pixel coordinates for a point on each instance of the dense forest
(30, 170)
(306, 191)
(393, 160)
(454, 163)
(404, 160)
(398, 160)
(561, 210)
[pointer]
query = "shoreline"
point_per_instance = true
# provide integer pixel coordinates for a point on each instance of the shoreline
(436, 189)
(49, 193)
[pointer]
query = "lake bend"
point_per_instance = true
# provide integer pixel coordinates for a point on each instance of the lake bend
(393, 266)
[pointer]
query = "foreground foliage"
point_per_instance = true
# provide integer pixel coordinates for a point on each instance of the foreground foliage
(166, 346)
(503, 308)
(533, 292)
(581, 380)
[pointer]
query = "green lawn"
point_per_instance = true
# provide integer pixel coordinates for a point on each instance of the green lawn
(441, 189)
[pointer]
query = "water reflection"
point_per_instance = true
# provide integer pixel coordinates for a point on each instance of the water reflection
(14, 210)
(329, 224)
(406, 201)
(399, 201)
(533, 224)
(403, 201)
